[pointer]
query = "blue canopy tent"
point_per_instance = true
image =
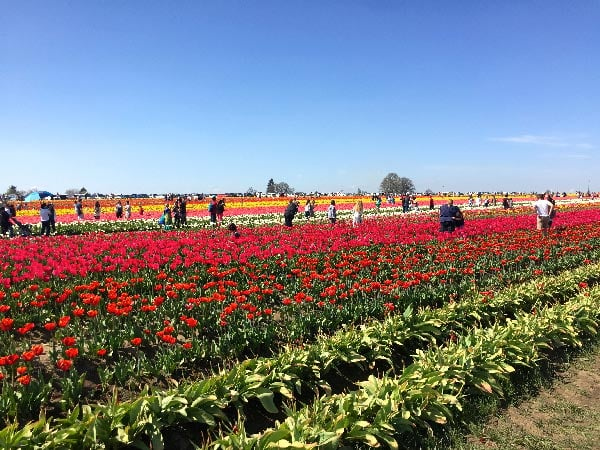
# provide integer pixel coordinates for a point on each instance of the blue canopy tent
(37, 195)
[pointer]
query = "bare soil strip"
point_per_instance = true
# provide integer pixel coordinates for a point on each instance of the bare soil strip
(564, 416)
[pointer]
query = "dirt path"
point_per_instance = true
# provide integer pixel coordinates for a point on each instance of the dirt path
(565, 416)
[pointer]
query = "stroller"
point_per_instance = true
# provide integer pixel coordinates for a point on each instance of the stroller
(24, 229)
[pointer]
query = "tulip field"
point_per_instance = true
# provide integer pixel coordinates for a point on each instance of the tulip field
(120, 334)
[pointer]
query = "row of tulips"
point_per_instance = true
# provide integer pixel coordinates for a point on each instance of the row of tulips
(388, 411)
(153, 208)
(197, 210)
(436, 381)
(169, 315)
(67, 207)
(181, 311)
(261, 218)
(241, 305)
(36, 259)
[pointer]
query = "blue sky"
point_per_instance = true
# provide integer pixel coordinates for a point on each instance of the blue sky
(220, 96)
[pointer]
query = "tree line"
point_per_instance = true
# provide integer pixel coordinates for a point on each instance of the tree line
(391, 183)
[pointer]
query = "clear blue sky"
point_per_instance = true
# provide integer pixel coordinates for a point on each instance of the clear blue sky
(220, 96)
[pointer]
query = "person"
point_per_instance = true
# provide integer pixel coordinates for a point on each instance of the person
(447, 218)
(97, 210)
(234, 230)
(458, 218)
(168, 218)
(553, 212)
(312, 207)
(406, 202)
(543, 210)
(332, 212)
(176, 214)
(377, 202)
(290, 212)
(220, 210)
(52, 212)
(505, 204)
(127, 210)
(183, 210)
(119, 209)
(78, 209)
(212, 209)
(141, 210)
(45, 219)
(431, 205)
(307, 209)
(357, 213)
(6, 225)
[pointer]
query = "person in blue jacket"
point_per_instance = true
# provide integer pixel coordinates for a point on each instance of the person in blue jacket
(447, 216)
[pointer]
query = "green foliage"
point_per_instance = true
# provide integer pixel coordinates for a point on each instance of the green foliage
(392, 183)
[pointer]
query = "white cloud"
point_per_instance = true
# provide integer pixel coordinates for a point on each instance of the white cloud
(547, 141)
(529, 139)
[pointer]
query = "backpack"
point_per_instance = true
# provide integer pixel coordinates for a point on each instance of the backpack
(211, 206)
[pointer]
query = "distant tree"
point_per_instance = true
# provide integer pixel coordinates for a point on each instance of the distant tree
(271, 187)
(251, 192)
(72, 192)
(83, 191)
(12, 190)
(428, 192)
(395, 184)
(283, 188)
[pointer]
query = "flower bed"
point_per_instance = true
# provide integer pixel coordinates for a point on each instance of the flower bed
(82, 315)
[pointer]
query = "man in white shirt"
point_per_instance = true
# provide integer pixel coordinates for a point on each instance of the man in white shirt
(45, 219)
(543, 209)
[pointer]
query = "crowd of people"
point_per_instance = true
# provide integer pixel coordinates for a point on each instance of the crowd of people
(121, 210)
(451, 217)
(407, 201)
(293, 207)
(175, 216)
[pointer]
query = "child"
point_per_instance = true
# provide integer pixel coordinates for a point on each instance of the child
(233, 228)
(332, 212)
